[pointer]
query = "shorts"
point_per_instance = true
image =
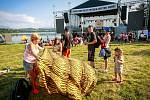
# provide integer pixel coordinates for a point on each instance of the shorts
(118, 69)
(107, 53)
(91, 54)
(105, 57)
(67, 53)
(28, 66)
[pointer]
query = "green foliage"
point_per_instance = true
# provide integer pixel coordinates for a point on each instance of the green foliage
(7, 30)
(3, 30)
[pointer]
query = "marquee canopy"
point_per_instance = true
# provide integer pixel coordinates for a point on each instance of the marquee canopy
(95, 8)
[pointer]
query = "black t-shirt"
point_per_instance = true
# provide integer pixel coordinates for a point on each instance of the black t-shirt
(91, 37)
(66, 41)
(130, 36)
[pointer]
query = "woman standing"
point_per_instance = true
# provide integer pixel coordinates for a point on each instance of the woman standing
(106, 41)
(30, 61)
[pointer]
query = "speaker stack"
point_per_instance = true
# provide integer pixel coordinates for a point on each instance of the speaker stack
(66, 18)
(123, 12)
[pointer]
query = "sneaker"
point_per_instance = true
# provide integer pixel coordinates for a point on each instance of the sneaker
(35, 91)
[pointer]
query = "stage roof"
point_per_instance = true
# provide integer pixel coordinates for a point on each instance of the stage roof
(93, 7)
(93, 3)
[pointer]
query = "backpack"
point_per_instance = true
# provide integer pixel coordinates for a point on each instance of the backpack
(21, 90)
(108, 52)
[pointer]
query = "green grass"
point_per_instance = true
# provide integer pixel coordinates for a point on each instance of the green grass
(136, 73)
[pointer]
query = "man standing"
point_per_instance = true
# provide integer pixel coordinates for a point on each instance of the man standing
(91, 40)
(66, 43)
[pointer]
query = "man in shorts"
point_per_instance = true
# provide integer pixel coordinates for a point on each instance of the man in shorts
(91, 40)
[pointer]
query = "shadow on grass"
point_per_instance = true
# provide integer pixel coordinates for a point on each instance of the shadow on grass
(102, 81)
(18, 69)
(134, 43)
(44, 96)
(8, 81)
(142, 52)
(142, 44)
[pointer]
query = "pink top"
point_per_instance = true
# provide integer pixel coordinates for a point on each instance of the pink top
(28, 55)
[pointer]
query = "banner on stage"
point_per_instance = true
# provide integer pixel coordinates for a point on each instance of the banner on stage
(94, 9)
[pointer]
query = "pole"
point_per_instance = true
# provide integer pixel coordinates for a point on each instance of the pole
(119, 4)
(148, 14)
(54, 14)
(69, 11)
(148, 19)
(82, 24)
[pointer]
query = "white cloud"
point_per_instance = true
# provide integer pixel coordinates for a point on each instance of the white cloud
(12, 20)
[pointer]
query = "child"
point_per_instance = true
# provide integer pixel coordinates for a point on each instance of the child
(57, 47)
(30, 61)
(118, 59)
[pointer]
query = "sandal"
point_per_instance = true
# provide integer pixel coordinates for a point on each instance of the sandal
(119, 81)
(114, 79)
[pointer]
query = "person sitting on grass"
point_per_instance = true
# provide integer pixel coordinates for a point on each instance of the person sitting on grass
(118, 59)
(57, 47)
(30, 61)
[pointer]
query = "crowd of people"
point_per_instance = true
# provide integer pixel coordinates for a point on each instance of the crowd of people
(126, 37)
(63, 47)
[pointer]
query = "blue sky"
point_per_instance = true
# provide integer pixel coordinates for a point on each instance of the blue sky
(32, 13)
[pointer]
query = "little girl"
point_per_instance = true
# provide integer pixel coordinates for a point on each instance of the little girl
(57, 47)
(30, 61)
(118, 59)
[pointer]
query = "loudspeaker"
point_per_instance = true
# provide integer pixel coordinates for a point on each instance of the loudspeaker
(66, 17)
(135, 20)
(123, 12)
(60, 25)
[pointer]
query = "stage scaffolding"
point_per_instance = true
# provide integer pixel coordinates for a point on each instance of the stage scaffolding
(76, 20)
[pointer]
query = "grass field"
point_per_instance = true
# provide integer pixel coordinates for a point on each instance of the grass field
(136, 75)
